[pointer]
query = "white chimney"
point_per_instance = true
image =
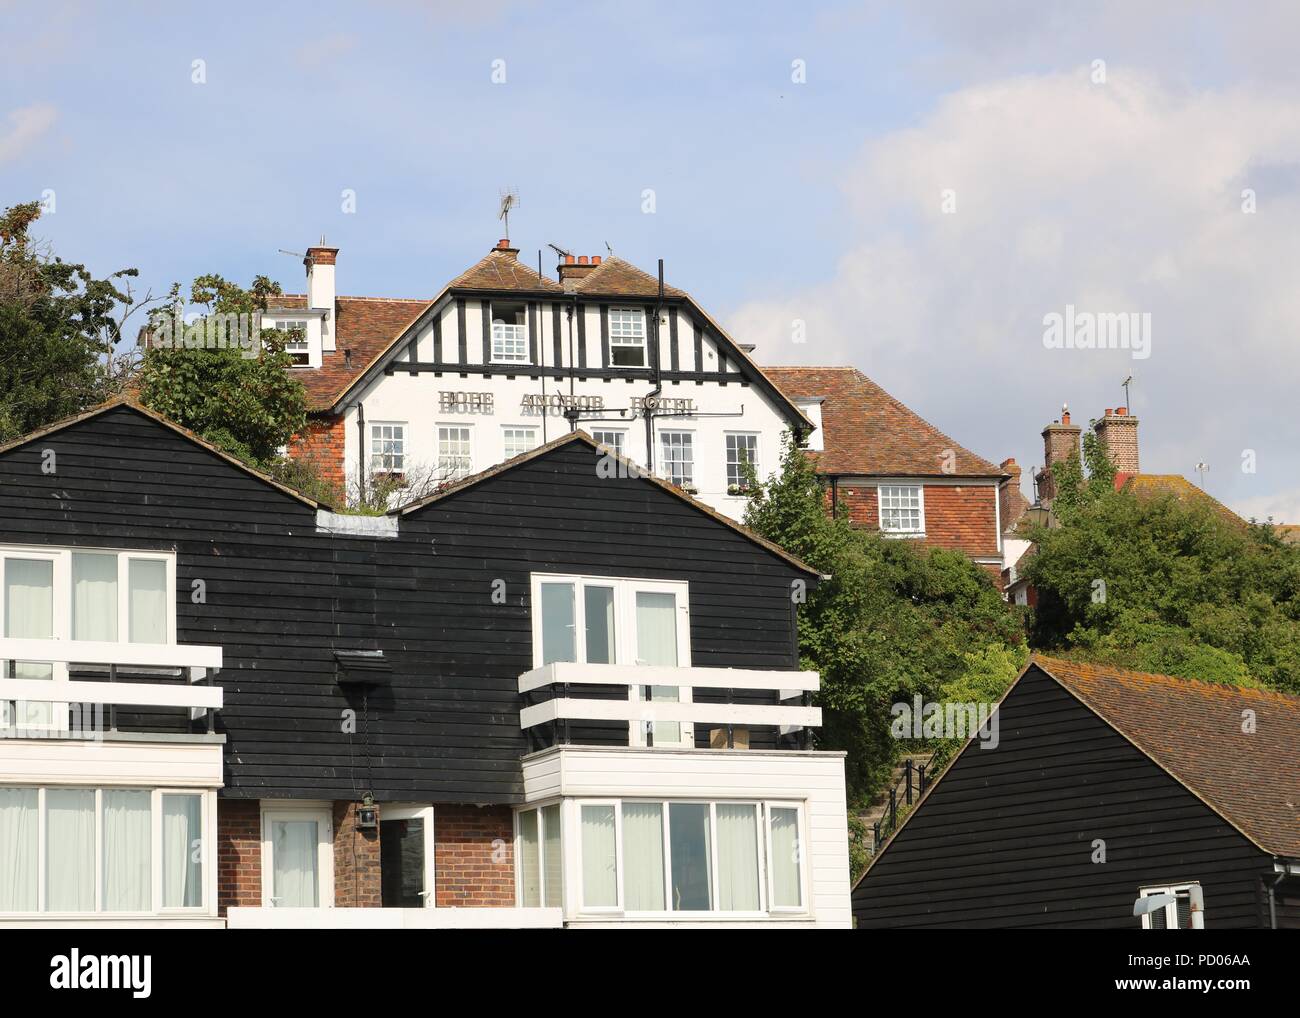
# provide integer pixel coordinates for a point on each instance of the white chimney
(320, 288)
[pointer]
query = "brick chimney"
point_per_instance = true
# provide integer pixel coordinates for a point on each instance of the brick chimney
(1007, 502)
(1117, 432)
(1060, 442)
(576, 268)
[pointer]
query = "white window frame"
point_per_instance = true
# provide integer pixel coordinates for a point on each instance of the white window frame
(763, 849)
(625, 648)
(620, 439)
(628, 334)
(666, 473)
(300, 348)
(207, 817)
(538, 808)
(273, 810)
(727, 464)
(500, 355)
(505, 441)
(61, 558)
(394, 811)
(399, 436)
(469, 442)
(880, 509)
(1170, 910)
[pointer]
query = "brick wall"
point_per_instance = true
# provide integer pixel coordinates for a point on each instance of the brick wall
(321, 443)
(239, 853)
(962, 517)
(474, 856)
(356, 860)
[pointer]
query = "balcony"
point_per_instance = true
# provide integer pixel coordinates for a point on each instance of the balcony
(644, 714)
(153, 671)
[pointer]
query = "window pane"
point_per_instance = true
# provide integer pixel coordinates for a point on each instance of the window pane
(678, 457)
(127, 832)
(94, 597)
(737, 857)
(29, 614)
(182, 831)
(557, 623)
(786, 884)
(643, 856)
(656, 628)
(70, 850)
(598, 604)
(401, 864)
(553, 856)
(18, 848)
(530, 891)
(688, 829)
(147, 587)
(599, 863)
(294, 855)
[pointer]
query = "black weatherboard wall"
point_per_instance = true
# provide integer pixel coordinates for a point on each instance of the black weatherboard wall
(281, 597)
(1007, 837)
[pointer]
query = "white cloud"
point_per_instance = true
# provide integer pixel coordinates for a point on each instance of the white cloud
(1117, 197)
(25, 125)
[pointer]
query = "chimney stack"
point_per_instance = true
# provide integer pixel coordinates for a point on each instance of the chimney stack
(503, 246)
(576, 268)
(321, 290)
(1060, 442)
(1007, 502)
(1117, 432)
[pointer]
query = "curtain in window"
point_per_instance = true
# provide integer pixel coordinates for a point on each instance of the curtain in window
(29, 614)
(70, 850)
(294, 854)
(737, 858)
(786, 889)
(688, 837)
(599, 605)
(18, 867)
(94, 597)
(554, 857)
(557, 623)
(599, 864)
(656, 643)
(643, 857)
(147, 586)
(182, 866)
(530, 891)
(127, 833)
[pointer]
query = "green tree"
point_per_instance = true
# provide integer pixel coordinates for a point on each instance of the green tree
(60, 329)
(241, 398)
(1167, 586)
(893, 620)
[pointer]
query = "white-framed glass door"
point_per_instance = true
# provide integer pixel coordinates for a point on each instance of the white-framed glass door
(659, 626)
(297, 857)
(33, 610)
(406, 857)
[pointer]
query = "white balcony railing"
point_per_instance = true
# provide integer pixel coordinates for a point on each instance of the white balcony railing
(195, 662)
(787, 684)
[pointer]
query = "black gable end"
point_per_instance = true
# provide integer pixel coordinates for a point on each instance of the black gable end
(1010, 837)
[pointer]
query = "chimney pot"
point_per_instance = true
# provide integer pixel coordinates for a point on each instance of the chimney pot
(582, 259)
(1120, 411)
(595, 259)
(570, 260)
(1065, 418)
(503, 244)
(1110, 411)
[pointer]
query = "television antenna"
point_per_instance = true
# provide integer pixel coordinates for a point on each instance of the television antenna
(560, 251)
(509, 200)
(1128, 400)
(1200, 471)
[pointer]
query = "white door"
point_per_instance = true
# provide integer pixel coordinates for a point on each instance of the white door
(297, 858)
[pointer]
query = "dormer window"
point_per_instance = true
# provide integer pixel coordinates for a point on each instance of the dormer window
(627, 338)
(509, 334)
(296, 347)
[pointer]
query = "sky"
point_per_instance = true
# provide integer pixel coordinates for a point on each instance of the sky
(914, 189)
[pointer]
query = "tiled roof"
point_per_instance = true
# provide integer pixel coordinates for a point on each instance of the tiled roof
(867, 431)
(366, 326)
(502, 270)
(616, 278)
(1193, 730)
(1156, 485)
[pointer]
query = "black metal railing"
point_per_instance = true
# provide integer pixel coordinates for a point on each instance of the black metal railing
(912, 784)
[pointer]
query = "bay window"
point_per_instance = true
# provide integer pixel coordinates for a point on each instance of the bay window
(86, 851)
(618, 621)
(690, 857)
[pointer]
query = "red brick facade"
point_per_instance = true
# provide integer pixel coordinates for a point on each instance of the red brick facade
(239, 854)
(356, 860)
(958, 516)
(321, 443)
(475, 856)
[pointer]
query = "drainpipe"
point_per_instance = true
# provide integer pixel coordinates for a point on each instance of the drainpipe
(835, 495)
(1272, 898)
(361, 451)
(658, 380)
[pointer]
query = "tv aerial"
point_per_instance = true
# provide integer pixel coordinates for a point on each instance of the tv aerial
(509, 200)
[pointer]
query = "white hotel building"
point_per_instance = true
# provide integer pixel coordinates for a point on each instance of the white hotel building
(503, 360)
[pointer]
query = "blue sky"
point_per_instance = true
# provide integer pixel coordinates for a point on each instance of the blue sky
(774, 200)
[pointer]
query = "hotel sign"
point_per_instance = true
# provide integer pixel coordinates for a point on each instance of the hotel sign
(535, 402)
(480, 402)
